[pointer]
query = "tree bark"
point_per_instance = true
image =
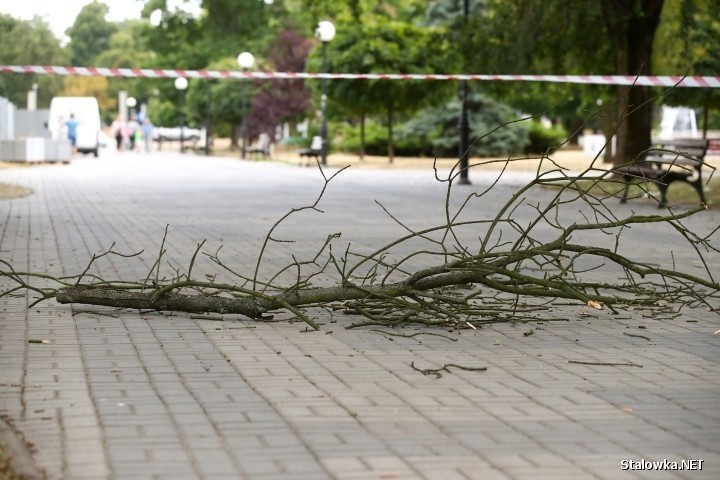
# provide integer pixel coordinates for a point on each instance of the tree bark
(234, 136)
(631, 26)
(362, 136)
(168, 302)
(706, 114)
(391, 146)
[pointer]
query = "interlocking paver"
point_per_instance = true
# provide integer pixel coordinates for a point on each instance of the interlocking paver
(132, 395)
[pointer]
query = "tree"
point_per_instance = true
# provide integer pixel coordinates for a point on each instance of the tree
(226, 99)
(278, 100)
(573, 37)
(439, 126)
(631, 27)
(392, 47)
(232, 26)
(90, 34)
(177, 42)
(127, 49)
(29, 43)
(90, 87)
(694, 25)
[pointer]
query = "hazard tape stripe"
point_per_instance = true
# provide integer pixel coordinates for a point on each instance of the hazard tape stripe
(653, 81)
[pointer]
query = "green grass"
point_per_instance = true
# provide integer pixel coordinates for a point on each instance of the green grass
(679, 193)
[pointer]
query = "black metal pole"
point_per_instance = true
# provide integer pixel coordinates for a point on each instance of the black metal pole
(182, 121)
(208, 114)
(323, 108)
(463, 123)
(244, 121)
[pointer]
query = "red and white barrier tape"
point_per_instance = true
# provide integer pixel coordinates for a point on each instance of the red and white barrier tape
(653, 81)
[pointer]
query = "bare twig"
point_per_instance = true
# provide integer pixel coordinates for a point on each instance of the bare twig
(446, 368)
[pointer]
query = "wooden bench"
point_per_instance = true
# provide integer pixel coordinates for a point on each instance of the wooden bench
(668, 161)
(314, 151)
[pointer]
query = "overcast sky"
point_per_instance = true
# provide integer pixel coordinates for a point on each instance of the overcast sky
(60, 14)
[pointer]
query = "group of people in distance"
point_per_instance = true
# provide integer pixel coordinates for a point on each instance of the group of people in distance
(130, 135)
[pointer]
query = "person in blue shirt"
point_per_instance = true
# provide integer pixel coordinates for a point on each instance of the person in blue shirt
(72, 125)
(147, 130)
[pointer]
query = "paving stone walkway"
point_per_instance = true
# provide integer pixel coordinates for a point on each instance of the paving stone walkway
(136, 395)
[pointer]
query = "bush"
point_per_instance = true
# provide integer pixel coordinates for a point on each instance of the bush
(348, 140)
(300, 142)
(405, 143)
(439, 127)
(543, 139)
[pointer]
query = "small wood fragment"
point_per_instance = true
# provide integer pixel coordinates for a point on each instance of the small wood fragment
(605, 364)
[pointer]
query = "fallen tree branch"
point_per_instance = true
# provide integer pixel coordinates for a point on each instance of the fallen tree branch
(517, 271)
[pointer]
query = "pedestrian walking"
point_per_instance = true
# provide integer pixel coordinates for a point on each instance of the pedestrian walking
(133, 131)
(117, 130)
(147, 129)
(72, 125)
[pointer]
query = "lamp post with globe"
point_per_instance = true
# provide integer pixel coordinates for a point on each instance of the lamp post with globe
(325, 32)
(245, 61)
(181, 85)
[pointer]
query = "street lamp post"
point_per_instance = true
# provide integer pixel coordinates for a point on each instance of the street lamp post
(463, 123)
(208, 117)
(181, 84)
(245, 61)
(325, 32)
(131, 103)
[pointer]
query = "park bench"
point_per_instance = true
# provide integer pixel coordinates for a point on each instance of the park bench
(668, 161)
(261, 147)
(314, 151)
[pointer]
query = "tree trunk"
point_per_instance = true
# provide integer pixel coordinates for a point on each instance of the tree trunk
(391, 146)
(631, 26)
(362, 136)
(706, 114)
(607, 128)
(234, 136)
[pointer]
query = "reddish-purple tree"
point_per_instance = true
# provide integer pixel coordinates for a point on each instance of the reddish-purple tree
(279, 100)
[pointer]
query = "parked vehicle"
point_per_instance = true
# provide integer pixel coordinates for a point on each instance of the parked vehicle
(165, 134)
(87, 114)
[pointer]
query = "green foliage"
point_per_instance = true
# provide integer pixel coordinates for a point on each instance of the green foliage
(357, 11)
(178, 41)
(127, 49)
(542, 139)
(413, 36)
(679, 193)
(30, 42)
(92, 87)
(90, 34)
(232, 26)
(226, 96)
(689, 40)
(162, 112)
(439, 125)
(381, 48)
(346, 138)
(579, 37)
(450, 13)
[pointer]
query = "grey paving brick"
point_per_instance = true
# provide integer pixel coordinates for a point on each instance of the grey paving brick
(131, 395)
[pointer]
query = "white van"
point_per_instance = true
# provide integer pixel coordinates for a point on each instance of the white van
(87, 114)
